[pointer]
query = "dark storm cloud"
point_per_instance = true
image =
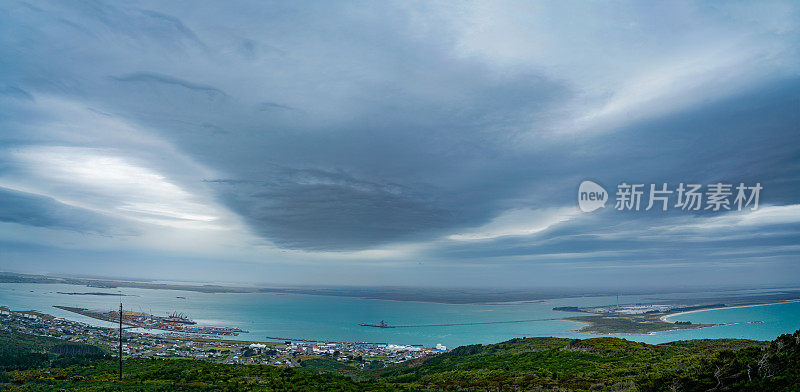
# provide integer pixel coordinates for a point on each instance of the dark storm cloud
(356, 126)
(316, 210)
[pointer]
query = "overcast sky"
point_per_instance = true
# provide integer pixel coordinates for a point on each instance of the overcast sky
(398, 143)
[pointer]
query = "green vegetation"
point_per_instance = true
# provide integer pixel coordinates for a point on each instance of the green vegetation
(327, 366)
(589, 364)
(179, 375)
(19, 352)
(599, 364)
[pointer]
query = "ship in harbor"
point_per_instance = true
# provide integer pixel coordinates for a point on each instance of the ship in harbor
(381, 325)
(178, 318)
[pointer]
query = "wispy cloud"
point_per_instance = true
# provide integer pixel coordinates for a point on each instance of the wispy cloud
(625, 61)
(519, 222)
(749, 220)
(102, 181)
(146, 77)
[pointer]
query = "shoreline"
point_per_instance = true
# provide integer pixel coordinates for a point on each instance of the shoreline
(666, 317)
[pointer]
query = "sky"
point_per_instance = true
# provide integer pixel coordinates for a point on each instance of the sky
(397, 143)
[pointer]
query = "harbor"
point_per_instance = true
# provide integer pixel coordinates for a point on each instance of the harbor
(175, 322)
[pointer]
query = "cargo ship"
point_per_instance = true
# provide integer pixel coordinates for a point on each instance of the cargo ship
(178, 318)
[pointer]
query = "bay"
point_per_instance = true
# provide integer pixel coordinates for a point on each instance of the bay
(299, 316)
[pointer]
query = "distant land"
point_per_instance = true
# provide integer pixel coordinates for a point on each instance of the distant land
(634, 319)
(8, 277)
(437, 295)
(646, 318)
(111, 294)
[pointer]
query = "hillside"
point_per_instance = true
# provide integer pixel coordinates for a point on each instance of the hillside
(605, 364)
(598, 364)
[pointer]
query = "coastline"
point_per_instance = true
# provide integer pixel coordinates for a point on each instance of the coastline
(666, 317)
(598, 324)
(261, 325)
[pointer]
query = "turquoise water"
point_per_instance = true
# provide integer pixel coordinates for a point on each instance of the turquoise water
(337, 318)
(754, 322)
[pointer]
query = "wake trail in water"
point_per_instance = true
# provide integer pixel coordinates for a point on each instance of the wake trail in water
(473, 323)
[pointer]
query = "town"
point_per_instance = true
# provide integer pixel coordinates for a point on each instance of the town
(209, 348)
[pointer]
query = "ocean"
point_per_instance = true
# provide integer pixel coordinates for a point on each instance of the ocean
(299, 316)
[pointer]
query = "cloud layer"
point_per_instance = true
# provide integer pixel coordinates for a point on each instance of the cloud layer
(396, 138)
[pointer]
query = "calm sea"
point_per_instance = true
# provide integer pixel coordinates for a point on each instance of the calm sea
(337, 318)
